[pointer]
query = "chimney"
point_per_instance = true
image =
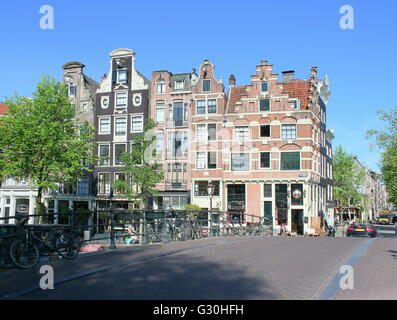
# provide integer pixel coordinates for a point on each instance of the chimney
(232, 80)
(288, 75)
(314, 72)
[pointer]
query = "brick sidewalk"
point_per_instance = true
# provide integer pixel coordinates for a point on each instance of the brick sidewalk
(249, 268)
(375, 273)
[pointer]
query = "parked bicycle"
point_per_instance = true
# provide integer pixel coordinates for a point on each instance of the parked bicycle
(25, 252)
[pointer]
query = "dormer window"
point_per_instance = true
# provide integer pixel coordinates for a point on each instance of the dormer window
(122, 75)
(295, 103)
(207, 85)
(264, 87)
(161, 86)
(179, 85)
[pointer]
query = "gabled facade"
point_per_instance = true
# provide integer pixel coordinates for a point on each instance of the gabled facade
(271, 144)
(208, 115)
(170, 107)
(121, 109)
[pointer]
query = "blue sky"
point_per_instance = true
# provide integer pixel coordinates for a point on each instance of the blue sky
(235, 35)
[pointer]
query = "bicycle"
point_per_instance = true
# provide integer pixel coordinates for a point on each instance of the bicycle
(25, 252)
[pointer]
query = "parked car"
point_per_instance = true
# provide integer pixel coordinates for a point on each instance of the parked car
(361, 230)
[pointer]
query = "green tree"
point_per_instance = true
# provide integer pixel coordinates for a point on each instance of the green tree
(142, 167)
(386, 141)
(41, 140)
(347, 179)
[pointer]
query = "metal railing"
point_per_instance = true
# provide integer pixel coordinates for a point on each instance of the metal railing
(115, 226)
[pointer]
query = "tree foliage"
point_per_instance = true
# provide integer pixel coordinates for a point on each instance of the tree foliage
(41, 141)
(347, 179)
(141, 166)
(386, 140)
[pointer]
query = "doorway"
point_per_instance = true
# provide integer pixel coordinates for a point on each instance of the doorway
(297, 221)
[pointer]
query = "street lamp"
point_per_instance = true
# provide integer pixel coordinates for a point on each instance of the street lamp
(210, 192)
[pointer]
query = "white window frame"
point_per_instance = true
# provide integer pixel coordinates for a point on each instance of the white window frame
(99, 182)
(100, 127)
(260, 159)
(160, 106)
(115, 127)
(296, 102)
(118, 75)
(114, 153)
(205, 160)
(242, 139)
(99, 154)
(161, 84)
(289, 124)
(203, 134)
(249, 161)
(180, 86)
(132, 124)
(126, 99)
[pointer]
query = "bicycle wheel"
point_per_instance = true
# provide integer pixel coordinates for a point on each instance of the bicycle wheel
(184, 231)
(24, 254)
(164, 232)
(67, 246)
(197, 231)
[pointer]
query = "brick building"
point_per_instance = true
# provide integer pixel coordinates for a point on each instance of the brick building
(273, 155)
(170, 107)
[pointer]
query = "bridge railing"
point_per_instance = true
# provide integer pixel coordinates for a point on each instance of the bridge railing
(114, 227)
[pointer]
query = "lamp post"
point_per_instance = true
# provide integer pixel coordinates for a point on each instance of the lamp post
(210, 192)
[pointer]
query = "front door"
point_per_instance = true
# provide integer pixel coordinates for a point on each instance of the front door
(297, 221)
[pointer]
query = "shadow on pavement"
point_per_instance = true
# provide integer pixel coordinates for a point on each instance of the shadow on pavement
(169, 278)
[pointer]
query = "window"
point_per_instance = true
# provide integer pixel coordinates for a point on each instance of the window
(121, 99)
(200, 106)
(104, 126)
(240, 161)
(178, 115)
(104, 183)
(212, 106)
(296, 103)
(207, 85)
(201, 132)
(83, 186)
(120, 127)
(212, 132)
(160, 113)
(265, 160)
(264, 87)
(290, 160)
(211, 158)
(176, 175)
(200, 188)
(289, 131)
(241, 133)
(104, 153)
(267, 190)
(72, 90)
(159, 142)
(119, 177)
(265, 131)
(122, 76)
(119, 149)
(137, 124)
(264, 104)
(179, 85)
(177, 144)
(200, 160)
(161, 86)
